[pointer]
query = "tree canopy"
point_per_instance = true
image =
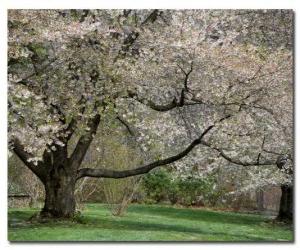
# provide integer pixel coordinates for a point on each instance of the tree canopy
(195, 83)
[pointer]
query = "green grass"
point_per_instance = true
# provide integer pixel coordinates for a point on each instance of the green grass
(148, 223)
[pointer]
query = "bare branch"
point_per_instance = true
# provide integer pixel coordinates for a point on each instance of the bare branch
(107, 173)
(127, 126)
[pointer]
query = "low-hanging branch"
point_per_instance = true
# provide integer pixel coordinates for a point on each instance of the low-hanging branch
(108, 173)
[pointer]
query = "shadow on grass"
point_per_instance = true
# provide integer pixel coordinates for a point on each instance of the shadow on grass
(199, 215)
(19, 220)
(142, 226)
(19, 215)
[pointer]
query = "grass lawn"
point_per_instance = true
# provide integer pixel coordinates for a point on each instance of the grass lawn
(148, 223)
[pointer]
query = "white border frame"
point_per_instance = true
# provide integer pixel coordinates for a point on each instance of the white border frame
(141, 4)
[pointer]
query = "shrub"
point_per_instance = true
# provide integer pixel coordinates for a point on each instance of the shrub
(161, 185)
(156, 185)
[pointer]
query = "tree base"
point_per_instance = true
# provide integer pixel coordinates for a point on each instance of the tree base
(284, 219)
(46, 217)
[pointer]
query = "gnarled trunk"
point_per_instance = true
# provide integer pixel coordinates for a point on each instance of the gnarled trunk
(59, 195)
(287, 193)
(286, 204)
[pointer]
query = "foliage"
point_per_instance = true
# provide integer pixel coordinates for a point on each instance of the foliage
(161, 185)
(157, 185)
(198, 191)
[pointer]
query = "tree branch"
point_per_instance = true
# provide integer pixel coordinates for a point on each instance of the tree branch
(74, 121)
(133, 35)
(108, 173)
(25, 156)
(126, 125)
(237, 161)
(174, 103)
(84, 142)
(185, 84)
(152, 105)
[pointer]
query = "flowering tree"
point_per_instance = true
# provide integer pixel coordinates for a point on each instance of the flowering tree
(216, 80)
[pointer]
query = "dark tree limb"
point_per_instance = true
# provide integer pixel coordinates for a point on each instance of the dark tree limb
(84, 142)
(133, 35)
(237, 161)
(286, 208)
(157, 107)
(74, 121)
(126, 125)
(25, 156)
(108, 173)
(174, 103)
(151, 17)
(185, 84)
(262, 147)
(62, 116)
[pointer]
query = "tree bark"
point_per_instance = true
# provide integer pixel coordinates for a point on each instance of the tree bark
(59, 194)
(287, 194)
(286, 204)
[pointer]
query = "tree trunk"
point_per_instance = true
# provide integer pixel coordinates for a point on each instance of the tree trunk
(59, 195)
(287, 193)
(286, 204)
(260, 199)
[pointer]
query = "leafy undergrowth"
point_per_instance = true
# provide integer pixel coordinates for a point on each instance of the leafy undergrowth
(148, 223)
